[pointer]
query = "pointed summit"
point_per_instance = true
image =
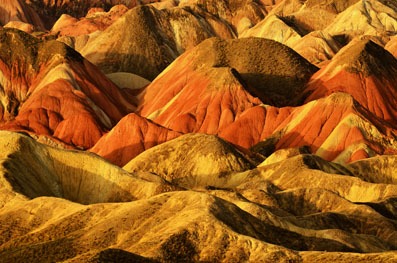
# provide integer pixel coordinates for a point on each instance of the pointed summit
(130, 137)
(364, 70)
(146, 40)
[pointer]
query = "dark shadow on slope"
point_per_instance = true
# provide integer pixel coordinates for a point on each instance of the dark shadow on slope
(30, 177)
(44, 252)
(274, 90)
(148, 67)
(387, 208)
(246, 224)
(113, 255)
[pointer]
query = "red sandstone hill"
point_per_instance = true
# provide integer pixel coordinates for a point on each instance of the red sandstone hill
(336, 128)
(249, 178)
(49, 89)
(95, 20)
(51, 10)
(130, 137)
(364, 70)
(207, 88)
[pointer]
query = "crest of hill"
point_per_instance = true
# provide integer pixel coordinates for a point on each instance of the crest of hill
(32, 170)
(50, 10)
(254, 59)
(366, 57)
(191, 160)
(335, 128)
(145, 40)
(131, 136)
(364, 70)
(310, 15)
(96, 19)
(203, 100)
(240, 15)
(370, 17)
(50, 89)
(379, 169)
(317, 47)
(273, 27)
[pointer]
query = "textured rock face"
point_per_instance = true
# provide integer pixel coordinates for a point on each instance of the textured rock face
(317, 47)
(130, 137)
(278, 211)
(49, 89)
(191, 160)
(364, 70)
(52, 10)
(342, 131)
(155, 38)
(372, 17)
(201, 143)
(95, 20)
(311, 15)
(210, 86)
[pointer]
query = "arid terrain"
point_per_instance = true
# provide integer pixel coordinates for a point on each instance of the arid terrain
(198, 131)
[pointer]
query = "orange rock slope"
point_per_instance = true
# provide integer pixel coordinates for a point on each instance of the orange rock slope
(207, 88)
(364, 70)
(130, 137)
(218, 88)
(336, 128)
(96, 19)
(49, 89)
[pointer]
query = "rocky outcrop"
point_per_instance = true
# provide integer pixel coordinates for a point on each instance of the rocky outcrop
(210, 86)
(49, 89)
(130, 137)
(146, 40)
(95, 20)
(364, 70)
(191, 161)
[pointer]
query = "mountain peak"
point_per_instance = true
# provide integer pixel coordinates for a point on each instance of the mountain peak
(366, 57)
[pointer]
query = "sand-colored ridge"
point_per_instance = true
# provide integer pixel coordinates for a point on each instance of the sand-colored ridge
(35, 170)
(317, 47)
(273, 27)
(311, 15)
(273, 212)
(370, 17)
(195, 159)
(378, 169)
(155, 38)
